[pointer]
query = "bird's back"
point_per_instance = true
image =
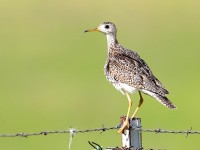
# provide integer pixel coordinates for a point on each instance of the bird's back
(125, 67)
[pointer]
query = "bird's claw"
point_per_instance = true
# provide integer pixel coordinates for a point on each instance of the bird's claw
(124, 127)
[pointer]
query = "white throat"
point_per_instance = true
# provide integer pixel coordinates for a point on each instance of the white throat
(111, 39)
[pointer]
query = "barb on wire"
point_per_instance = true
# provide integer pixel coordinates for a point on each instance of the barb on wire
(188, 132)
(102, 129)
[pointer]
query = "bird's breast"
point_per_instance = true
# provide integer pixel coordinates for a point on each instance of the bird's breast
(111, 77)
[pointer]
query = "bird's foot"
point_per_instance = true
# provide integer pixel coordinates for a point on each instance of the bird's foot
(124, 127)
(133, 117)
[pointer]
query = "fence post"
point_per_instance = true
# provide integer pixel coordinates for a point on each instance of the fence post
(132, 138)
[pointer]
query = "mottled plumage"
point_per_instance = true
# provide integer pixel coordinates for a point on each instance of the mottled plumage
(128, 73)
(124, 66)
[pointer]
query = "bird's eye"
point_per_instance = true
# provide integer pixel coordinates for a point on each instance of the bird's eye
(107, 26)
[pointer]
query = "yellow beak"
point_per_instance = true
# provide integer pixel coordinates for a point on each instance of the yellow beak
(92, 30)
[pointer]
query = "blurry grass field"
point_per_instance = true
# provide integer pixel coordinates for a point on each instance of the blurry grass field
(52, 73)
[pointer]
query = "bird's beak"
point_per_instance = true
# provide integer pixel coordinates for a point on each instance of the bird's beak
(92, 30)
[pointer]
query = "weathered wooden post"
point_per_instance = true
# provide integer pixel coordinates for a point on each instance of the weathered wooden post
(132, 137)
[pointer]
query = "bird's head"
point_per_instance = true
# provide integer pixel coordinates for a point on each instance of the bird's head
(106, 27)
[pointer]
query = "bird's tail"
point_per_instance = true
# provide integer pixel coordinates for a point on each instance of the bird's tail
(165, 101)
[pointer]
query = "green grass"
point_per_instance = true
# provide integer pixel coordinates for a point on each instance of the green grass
(52, 73)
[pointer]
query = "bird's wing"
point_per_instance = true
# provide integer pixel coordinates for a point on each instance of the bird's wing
(132, 70)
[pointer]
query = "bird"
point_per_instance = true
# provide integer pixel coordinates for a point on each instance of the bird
(129, 73)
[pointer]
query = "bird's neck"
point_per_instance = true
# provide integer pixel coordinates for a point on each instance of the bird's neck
(111, 40)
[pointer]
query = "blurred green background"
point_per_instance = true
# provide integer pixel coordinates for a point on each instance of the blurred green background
(52, 73)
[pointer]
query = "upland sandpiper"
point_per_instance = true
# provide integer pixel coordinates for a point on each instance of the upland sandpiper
(128, 73)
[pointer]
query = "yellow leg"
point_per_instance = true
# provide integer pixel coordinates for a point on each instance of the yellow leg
(140, 103)
(126, 123)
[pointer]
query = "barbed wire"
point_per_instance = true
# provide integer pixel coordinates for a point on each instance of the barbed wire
(73, 131)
